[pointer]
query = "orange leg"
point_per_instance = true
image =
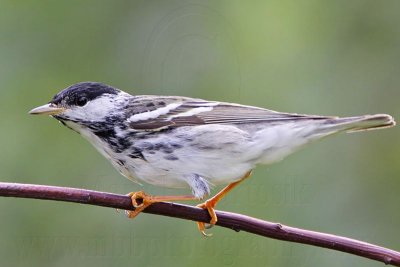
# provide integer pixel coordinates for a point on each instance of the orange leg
(140, 200)
(212, 202)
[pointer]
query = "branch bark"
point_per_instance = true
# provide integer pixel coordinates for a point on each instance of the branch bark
(236, 222)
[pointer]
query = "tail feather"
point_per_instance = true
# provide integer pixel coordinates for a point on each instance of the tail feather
(361, 123)
(287, 138)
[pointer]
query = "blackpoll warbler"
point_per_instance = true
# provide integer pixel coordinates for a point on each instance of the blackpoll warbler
(178, 142)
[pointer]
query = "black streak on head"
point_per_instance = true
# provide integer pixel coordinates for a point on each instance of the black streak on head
(88, 90)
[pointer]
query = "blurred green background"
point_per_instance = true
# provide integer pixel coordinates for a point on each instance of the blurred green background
(319, 57)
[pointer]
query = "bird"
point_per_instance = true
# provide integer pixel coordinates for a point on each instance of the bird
(183, 142)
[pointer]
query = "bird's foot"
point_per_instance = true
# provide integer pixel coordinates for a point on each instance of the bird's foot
(209, 205)
(140, 201)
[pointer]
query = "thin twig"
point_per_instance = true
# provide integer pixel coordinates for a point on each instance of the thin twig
(233, 221)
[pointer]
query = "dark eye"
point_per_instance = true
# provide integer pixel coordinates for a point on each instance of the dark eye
(81, 101)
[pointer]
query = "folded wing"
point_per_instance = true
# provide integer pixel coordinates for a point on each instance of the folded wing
(190, 112)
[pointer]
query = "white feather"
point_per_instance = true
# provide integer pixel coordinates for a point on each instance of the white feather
(94, 110)
(154, 113)
(191, 112)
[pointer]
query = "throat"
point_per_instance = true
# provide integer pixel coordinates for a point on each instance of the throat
(98, 141)
(71, 125)
(112, 143)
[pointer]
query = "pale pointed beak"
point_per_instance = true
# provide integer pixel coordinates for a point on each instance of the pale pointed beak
(48, 109)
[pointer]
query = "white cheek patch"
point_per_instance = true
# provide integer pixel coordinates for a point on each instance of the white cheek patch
(154, 113)
(99, 108)
(94, 110)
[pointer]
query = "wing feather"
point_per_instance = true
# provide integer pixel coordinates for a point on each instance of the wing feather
(191, 112)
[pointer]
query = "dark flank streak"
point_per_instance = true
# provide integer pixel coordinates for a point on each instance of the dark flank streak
(122, 144)
(185, 137)
(176, 145)
(205, 147)
(168, 151)
(167, 148)
(159, 146)
(105, 134)
(147, 146)
(117, 144)
(111, 120)
(171, 157)
(136, 153)
(150, 104)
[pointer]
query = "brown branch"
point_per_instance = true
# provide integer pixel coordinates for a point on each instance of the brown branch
(233, 221)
